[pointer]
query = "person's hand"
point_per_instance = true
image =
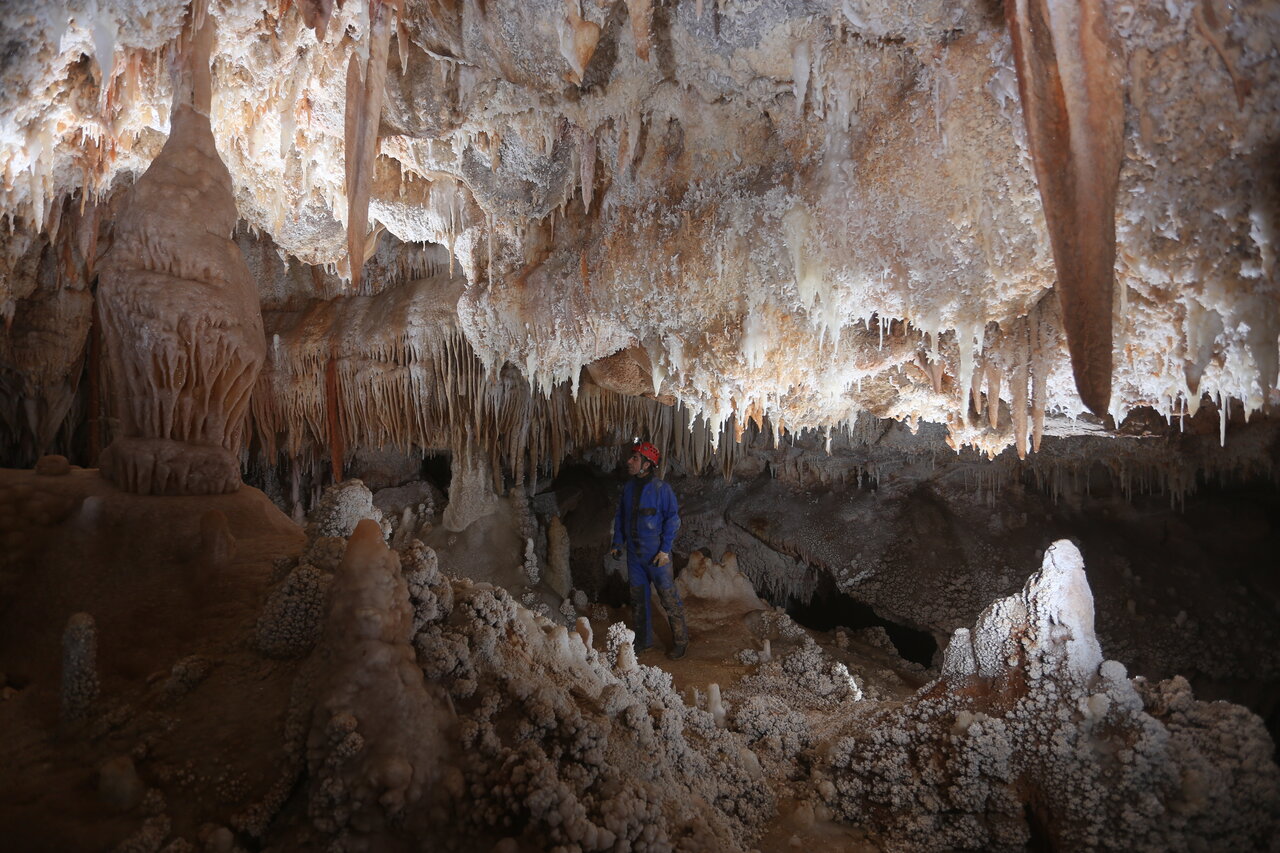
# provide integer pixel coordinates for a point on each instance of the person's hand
(615, 552)
(661, 558)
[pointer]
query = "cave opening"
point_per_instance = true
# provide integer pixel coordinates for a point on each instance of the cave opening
(829, 608)
(437, 468)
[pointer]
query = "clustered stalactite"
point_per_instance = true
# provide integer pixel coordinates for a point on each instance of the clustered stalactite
(43, 350)
(366, 86)
(394, 370)
(553, 162)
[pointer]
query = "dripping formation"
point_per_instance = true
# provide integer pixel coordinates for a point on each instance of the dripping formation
(548, 209)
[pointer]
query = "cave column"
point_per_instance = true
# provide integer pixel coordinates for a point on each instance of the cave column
(180, 312)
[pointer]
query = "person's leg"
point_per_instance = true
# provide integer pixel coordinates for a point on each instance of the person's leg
(641, 617)
(670, 598)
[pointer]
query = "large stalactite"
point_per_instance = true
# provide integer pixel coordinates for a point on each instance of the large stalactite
(1073, 103)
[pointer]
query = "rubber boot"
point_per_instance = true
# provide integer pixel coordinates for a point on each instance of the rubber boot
(675, 617)
(640, 617)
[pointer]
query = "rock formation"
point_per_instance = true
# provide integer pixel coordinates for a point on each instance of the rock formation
(775, 218)
(180, 315)
(1029, 735)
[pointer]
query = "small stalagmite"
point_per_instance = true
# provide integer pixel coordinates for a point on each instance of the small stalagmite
(180, 313)
(79, 667)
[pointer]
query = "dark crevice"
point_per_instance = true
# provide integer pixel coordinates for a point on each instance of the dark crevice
(829, 608)
(1040, 840)
(437, 469)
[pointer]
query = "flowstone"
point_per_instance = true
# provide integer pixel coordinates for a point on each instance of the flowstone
(180, 315)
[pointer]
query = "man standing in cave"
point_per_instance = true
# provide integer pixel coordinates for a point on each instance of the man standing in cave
(646, 525)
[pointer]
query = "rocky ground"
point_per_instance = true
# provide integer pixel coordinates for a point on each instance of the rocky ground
(202, 674)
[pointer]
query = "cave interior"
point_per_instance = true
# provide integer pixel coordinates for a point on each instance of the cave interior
(330, 328)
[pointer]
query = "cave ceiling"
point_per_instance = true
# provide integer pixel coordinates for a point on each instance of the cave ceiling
(781, 209)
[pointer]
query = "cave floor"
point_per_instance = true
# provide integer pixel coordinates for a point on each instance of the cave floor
(182, 695)
(175, 586)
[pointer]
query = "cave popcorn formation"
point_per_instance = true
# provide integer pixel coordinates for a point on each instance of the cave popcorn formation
(421, 267)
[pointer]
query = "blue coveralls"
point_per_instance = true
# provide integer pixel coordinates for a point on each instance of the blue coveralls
(647, 521)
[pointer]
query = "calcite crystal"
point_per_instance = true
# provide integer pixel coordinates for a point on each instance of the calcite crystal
(1030, 734)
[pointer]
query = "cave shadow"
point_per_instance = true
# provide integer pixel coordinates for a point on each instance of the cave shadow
(829, 608)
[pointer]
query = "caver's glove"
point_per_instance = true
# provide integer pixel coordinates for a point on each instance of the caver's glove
(661, 558)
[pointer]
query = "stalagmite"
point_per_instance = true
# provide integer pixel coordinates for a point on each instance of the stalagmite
(715, 705)
(80, 683)
(583, 627)
(1073, 104)
(471, 495)
(183, 330)
(558, 575)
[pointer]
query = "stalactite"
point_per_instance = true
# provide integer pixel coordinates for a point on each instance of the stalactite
(1018, 382)
(179, 309)
(419, 384)
(1044, 340)
(365, 90)
(1073, 104)
(993, 393)
(641, 14)
(578, 39)
(587, 159)
(333, 418)
(316, 14)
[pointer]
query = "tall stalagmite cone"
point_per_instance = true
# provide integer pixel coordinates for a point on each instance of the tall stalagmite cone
(79, 667)
(181, 318)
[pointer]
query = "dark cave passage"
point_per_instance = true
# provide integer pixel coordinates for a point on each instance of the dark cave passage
(830, 609)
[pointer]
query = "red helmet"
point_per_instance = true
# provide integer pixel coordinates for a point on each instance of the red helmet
(648, 451)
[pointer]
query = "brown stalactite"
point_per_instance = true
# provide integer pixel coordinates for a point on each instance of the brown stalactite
(333, 417)
(316, 14)
(1018, 381)
(641, 14)
(1073, 105)
(365, 90)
